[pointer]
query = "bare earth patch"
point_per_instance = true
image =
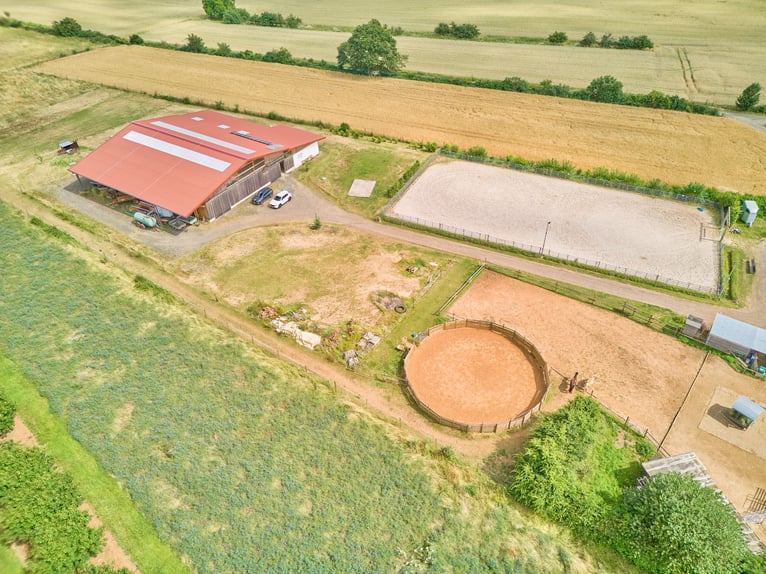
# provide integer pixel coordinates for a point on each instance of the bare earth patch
(643, 374)
(21, 434)
(473, 376)
(335, 272)
(642, 235)
(112, 553)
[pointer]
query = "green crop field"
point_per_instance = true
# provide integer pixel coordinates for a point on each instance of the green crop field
(717, 46)
(242, 462)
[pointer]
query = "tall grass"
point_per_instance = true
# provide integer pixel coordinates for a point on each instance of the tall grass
(240, 462)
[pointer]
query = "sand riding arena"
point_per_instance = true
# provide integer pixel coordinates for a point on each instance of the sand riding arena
(476, 376)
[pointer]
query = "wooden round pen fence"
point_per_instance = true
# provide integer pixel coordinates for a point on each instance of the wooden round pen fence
(476, 376)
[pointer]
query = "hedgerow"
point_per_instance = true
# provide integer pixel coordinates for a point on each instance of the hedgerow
(653, 99)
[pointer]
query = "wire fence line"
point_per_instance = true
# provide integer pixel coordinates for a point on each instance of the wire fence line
(717, 290)
(487, 238)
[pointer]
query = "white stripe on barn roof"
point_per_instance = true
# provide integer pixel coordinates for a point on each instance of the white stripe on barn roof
(203, 137)
(177, 151)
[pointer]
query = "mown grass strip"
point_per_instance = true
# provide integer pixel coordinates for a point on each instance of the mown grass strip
(112, 504)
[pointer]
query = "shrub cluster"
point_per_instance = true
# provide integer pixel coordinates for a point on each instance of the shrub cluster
(460, 31)
(405, 177)
(557, 38)
(228, 13)
(572, 473)
(70, 28)
(622, 43)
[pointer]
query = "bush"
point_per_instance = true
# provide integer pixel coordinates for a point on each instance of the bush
(749, 97)
(271, 19)
(236, 16)
(516, 84)
(194, 44)
(557, 38)
(677, 526)
(605, 89)
(281, 56)
(67, 27)
(588, 40)
(293, 21)
(476, 151)
(215, 9)
(136, 39)
(7, 413)
(223, 49)
(461, 31)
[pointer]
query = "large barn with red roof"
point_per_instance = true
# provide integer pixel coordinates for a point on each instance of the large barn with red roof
(198, 164)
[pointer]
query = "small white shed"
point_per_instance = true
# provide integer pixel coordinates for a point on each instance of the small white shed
(749, 212)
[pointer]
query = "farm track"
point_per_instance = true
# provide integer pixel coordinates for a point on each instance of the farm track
(687, 72)
(359, 392)
(655, 144)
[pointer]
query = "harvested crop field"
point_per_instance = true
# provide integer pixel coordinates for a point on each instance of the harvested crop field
(639, 235)
(671, 146)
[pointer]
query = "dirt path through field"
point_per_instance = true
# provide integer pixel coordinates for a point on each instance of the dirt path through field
(389, 403)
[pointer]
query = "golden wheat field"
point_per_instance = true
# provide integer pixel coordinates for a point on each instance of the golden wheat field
(671, 146)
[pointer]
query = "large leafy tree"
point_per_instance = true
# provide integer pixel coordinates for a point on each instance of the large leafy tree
(215, 9)
(371, 50)
(681, 527)
(749, 97)
(605, 89)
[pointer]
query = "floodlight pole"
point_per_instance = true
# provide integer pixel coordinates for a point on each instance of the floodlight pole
(545, 237)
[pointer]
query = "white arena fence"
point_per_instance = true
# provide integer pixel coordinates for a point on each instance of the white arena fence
(487, 238)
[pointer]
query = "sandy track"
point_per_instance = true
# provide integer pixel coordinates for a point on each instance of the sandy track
(671, 146)
(646, 236)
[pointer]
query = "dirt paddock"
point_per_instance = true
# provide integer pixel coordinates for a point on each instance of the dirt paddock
(642, 374)
(473, 376)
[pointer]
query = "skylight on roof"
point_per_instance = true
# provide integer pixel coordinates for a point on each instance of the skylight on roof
(241, 133)
(203, 137)
(177, 151)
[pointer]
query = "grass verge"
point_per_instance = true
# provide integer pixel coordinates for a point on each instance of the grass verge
(386, 358)
(112, 504)
(342, 161)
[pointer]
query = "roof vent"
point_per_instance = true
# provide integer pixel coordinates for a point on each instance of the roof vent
(224, 127)
(197, 119)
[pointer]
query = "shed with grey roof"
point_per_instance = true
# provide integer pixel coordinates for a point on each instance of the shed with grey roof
(733, 336)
